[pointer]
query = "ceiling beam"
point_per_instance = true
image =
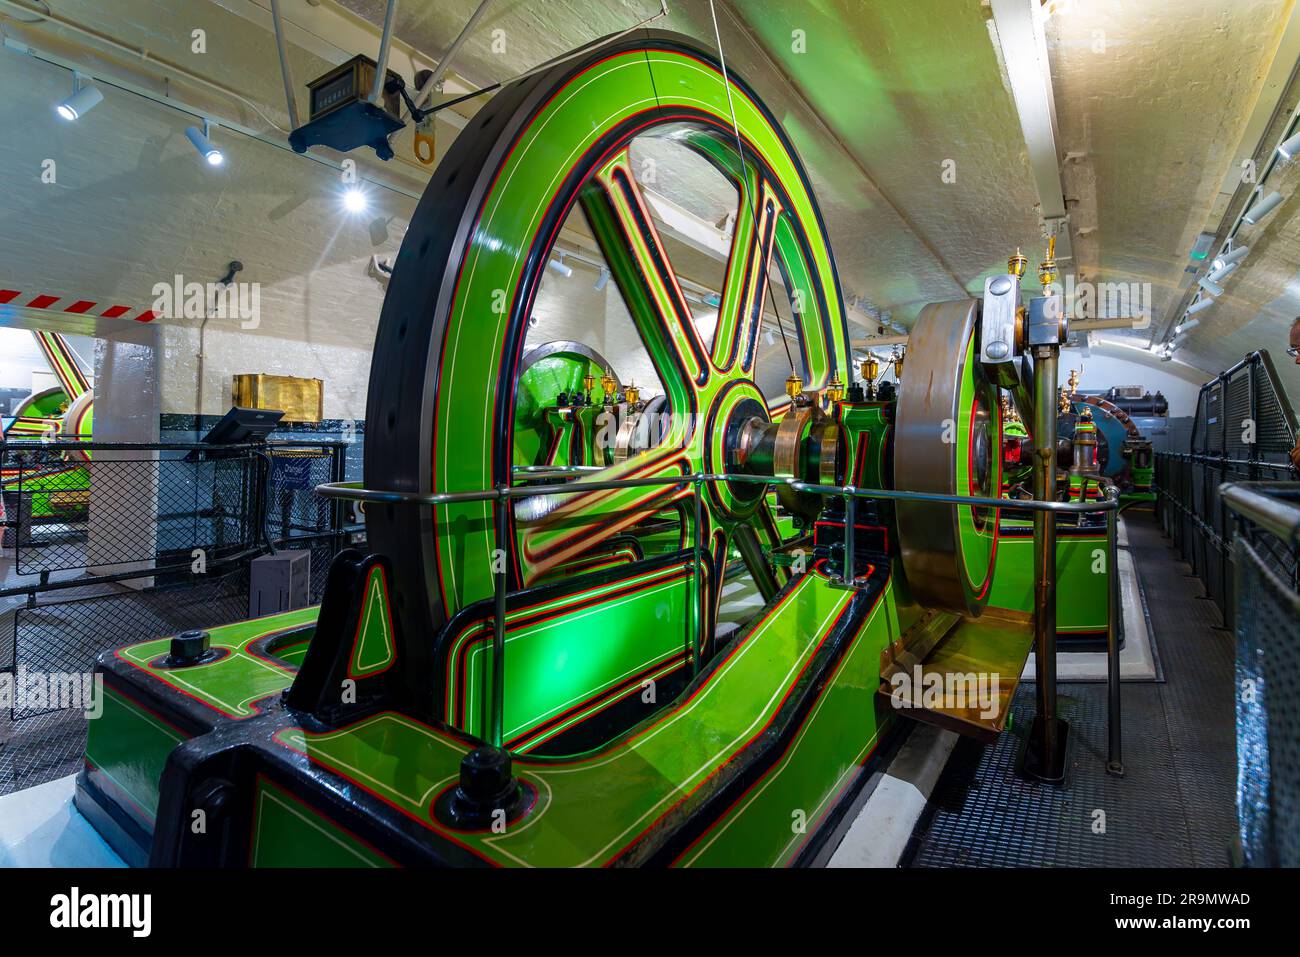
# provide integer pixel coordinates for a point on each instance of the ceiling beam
(1019, 25)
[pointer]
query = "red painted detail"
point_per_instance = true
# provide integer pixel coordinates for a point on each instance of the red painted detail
(80, 306)
(112, 312)
(43, 302)
(8, 295)
(146, 316)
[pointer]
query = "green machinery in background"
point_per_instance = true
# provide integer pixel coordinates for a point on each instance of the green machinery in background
(51, 492)
(526, 668)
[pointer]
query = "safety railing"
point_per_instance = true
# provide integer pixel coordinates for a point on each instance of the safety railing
(179, 523)
(1266, 550)
(1194, 515)
(502, 495)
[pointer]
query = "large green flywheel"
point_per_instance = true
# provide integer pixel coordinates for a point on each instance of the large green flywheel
(452, 332)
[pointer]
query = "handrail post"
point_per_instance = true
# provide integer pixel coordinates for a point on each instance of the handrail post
(1114, 755)
(496, 725)
(850, 519)
(697, 617)
(1044, 756)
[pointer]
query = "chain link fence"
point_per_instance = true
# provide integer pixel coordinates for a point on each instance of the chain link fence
(107, 508)
(1244, 430)
(1267, 555)
(135, 542)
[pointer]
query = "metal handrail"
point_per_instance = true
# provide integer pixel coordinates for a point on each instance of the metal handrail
(353, 491)
(504, 493)
(1252, 501)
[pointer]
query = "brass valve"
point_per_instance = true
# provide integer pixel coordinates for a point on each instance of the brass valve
(1068, 390)
(794, 385)
(609, 385)
(1047, 268)
(835, 388)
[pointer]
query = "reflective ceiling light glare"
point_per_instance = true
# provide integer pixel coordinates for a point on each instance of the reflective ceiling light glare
(1261, 209)
(354, 200)
(1233, 255)
(80, 103)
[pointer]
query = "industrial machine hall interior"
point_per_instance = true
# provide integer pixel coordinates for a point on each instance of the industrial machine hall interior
(702, 433)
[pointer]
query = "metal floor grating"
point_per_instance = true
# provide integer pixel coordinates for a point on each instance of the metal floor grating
(1173, 808)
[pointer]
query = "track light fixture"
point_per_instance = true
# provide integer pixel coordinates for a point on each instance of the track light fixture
(1198, 305)
(1290, 146)
(204, 145)
(1186, 326)
(1233, 255)
(1262, 208)
(1218, 275)
(84, 98)
(558, 265)
(602, 280)
(1210, 286)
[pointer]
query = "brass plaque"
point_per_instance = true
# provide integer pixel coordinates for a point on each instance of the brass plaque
(301, 400)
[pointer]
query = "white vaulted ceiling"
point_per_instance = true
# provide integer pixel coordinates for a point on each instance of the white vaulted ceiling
(1156, 102)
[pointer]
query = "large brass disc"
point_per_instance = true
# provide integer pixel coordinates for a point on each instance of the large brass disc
(947, 441)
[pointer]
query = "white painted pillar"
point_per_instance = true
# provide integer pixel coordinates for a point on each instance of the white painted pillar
(124, 497)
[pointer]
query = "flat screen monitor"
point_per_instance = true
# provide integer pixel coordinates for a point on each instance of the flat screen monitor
(243, 425)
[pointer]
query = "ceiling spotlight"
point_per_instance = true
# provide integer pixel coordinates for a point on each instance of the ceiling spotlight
(1210, 286)
(1290, 146)
(1198, 305)
(1186, 325)
(1218, 275)
(559, 266)
(602, 279)
(1233, 255)
(354, 200)
(199, 137)
(81, 102)
(1261, 209)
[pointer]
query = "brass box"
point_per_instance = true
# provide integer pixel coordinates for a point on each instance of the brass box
(301, 400)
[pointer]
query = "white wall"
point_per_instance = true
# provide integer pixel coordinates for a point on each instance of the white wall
(1104, 371)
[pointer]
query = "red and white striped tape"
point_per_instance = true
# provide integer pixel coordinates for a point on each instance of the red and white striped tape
(76, 307)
